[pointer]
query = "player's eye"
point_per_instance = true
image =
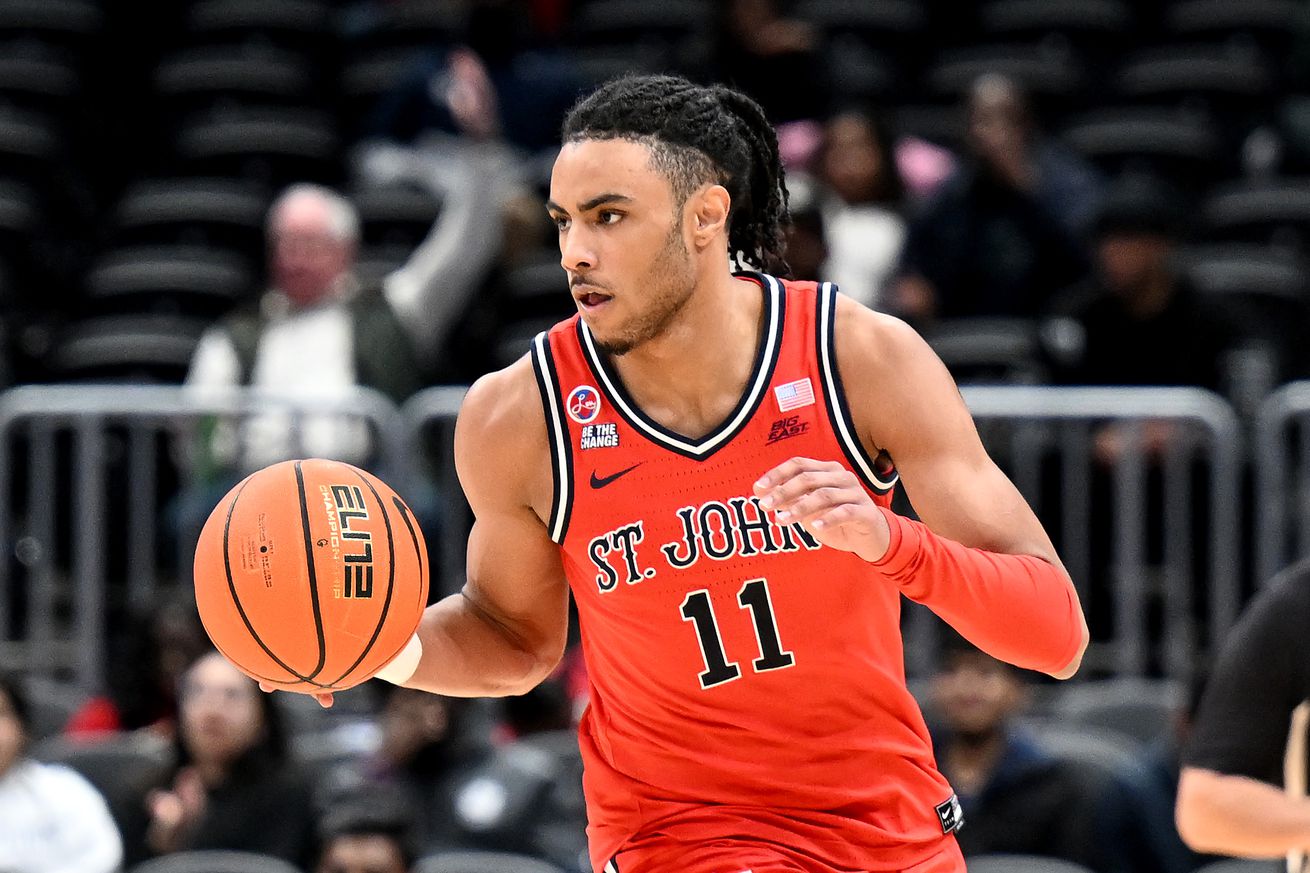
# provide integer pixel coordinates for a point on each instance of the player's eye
(561, 222)
(609, 216)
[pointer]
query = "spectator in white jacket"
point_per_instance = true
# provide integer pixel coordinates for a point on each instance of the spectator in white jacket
(51, 819)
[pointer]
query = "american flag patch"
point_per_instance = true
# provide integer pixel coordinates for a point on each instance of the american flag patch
(794, 395)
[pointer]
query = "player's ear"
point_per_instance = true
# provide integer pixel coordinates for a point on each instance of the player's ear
(710, 205)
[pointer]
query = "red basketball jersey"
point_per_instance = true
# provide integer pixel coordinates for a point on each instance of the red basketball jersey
(746, 682)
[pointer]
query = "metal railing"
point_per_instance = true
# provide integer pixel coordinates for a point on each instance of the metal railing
(1153, 475)
(1282, 466)
(90, 475)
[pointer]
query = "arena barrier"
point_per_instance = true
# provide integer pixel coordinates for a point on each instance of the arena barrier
(429, 420)
(97, 482)
(1282, 467)
(1140, 490)
(103, 490)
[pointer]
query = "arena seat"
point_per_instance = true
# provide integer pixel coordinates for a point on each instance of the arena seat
(1022, 864)
(213, 861)
(481, 862)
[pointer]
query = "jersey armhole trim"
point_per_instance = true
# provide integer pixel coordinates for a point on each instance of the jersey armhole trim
(835, 394)
(561, 458)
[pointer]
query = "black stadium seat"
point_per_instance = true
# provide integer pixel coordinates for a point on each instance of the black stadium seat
(1180, 145)
(302, 26)
(197, 79)
(1054, 78)
(1236, 86)
(187, 280)
(223, 213)
(880, 23)
(482, 862)
(131, 348)
(68, 24)
(860, 73)
(213, 861)
(1274, 211)
(1243, 865)
(395, 214)
(1022, 864)
(610, 22)
(1100, 27)
(1272, 24)
(275, 148)
(35, 80)
(410, 25)
(988, 349)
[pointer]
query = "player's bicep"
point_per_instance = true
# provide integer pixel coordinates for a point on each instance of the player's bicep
(515, 577)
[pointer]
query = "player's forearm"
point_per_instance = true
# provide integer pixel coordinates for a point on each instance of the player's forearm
(1235, 815)
(468, 653)
(1017, 608)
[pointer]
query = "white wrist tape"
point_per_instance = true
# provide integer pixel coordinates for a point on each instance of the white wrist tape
(401, 668)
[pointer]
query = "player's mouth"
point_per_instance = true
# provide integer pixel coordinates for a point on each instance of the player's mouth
(589, 297)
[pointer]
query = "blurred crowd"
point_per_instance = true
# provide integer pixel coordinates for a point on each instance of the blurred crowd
(306, 196)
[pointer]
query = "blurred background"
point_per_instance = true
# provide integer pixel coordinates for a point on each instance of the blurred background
(237, 231)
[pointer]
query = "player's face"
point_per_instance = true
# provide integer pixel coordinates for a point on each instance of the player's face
(621, 239)
(976, 694)
(220, 714)
(11, 734)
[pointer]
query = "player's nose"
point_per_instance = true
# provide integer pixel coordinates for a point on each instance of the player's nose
(577, 255)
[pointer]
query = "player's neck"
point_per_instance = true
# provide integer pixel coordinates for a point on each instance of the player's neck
(691, 376)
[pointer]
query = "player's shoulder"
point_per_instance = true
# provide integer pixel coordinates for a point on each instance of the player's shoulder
(502, 425)
(1284, 598)
(873, 342)
(502, 403)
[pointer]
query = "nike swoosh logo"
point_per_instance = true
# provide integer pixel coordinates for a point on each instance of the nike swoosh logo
(601, 482)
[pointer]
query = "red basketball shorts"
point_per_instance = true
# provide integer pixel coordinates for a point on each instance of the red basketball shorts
(730, 856)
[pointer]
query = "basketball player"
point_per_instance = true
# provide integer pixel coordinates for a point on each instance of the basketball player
(707, 457)
(1243, 784)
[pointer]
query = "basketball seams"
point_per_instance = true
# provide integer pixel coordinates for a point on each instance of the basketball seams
(424, 580)
(312, 570)
(233, 604)
(236, 598)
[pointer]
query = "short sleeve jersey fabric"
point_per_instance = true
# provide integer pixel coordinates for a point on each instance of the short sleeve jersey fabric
(1255, 710)
(746, 681)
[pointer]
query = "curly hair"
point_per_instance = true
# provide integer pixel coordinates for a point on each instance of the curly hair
(699, 134)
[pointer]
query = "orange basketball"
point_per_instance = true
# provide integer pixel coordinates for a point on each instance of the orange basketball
(310, 575)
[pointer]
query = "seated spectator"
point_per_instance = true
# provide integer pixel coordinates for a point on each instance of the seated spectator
(1136, 321)
(233, 786)
(427, 750)
(1005, 232)
(1017, 797)
(315, 332)
(146, 663)
(51, 819)
(366, 835)
(862, 216)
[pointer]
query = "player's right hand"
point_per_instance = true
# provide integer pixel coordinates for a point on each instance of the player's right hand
(324, 698)
(827, 499)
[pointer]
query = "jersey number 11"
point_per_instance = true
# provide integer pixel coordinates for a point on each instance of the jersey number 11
(754, 595)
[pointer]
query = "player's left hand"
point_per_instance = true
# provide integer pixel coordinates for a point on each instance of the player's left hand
(827, 499)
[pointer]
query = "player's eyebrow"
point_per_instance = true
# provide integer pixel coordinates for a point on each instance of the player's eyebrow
(598, 200)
